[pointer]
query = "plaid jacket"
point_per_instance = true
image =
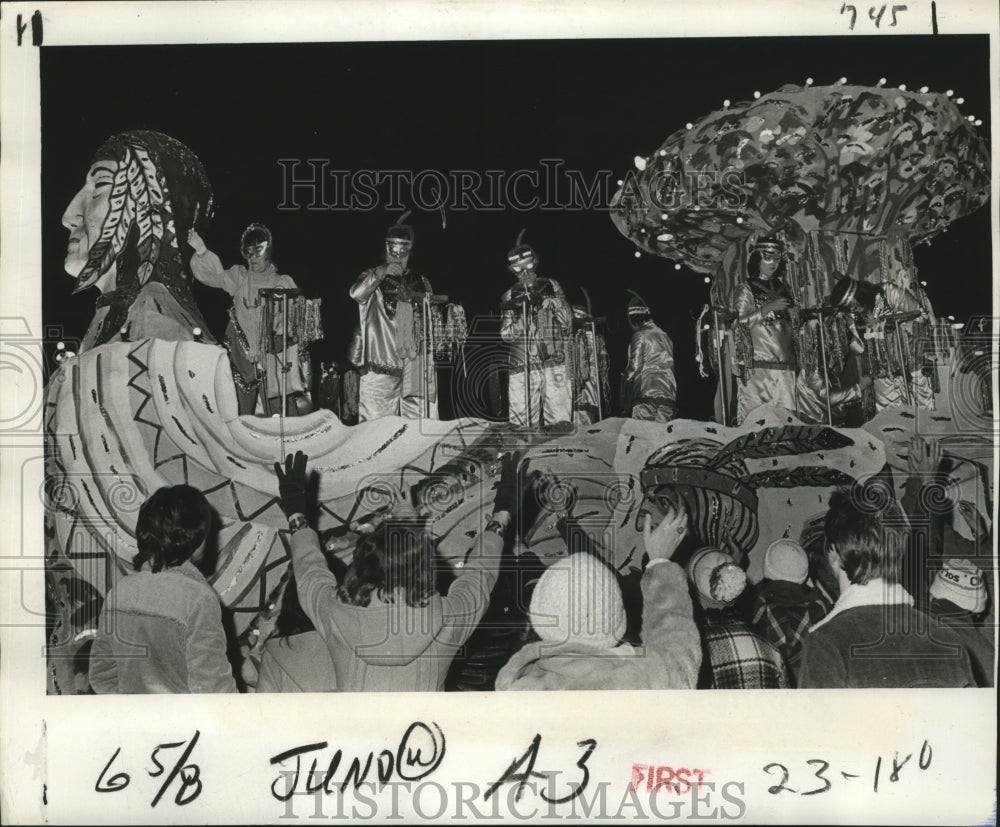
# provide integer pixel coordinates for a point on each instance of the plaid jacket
(737, 658)
(783, 613)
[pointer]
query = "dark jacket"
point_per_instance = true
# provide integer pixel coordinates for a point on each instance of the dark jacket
(888, 646)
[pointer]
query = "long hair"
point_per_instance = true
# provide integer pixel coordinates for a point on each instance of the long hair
(398, 555)
(172, 525)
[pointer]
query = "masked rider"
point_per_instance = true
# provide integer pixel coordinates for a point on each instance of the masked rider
(395, 375)
(250, 361)
(535, 312)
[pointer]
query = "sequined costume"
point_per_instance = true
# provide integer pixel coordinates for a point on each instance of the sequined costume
(765, 350)
(649, 384)
(590, 376)
(160, 190)
(891, 355)
(244, 332)
(549, 325)
(396, 378)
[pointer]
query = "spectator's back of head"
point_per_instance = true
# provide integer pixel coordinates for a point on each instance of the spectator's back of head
(172, 526)
(786, 560)
(716, 577)
(959, 583)
(398, 555)
(856, 530)
(578, 599)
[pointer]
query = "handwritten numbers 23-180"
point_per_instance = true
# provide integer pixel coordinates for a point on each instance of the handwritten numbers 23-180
(188, 786)
(817, 779)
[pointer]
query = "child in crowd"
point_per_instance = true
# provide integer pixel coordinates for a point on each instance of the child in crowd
(386, 626)
(958, 601)
(734, 656)
(786, 604)
(577, 612)
(161, 628)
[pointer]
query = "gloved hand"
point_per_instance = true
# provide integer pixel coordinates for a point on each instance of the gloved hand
(292, 483)
(195, 241)
(508, 496)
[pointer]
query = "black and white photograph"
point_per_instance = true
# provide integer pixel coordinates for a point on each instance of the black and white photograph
(399, 348)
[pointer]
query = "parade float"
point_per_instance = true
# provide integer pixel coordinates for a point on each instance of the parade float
(846, 174)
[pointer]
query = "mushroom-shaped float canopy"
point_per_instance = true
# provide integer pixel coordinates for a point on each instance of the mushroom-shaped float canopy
(859, 160)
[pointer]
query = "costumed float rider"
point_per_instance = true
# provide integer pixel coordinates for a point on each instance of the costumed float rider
(649, 388)
(252, 350)
(590, 370)
(765, 333)
(143, 191)
(395, 378)
(888, 325)
(549, 324)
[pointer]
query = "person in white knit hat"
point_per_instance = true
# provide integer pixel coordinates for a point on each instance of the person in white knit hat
(958, 601)
(786, 603)
(576, 610)
(733, 655)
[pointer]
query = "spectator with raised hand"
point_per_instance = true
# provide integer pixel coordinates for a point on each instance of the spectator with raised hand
(385, 625)
(577, 612)
(926, 506)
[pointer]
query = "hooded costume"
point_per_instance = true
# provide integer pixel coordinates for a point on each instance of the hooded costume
(545, 365)
(577, 611)
(649, 385)
(395, 376)
(765, 343)
(160, 192)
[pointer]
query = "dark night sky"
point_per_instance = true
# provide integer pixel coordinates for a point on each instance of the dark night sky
(505, 105)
